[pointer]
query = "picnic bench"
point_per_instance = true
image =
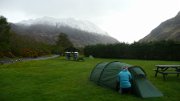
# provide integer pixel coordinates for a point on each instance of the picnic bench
(167, 69)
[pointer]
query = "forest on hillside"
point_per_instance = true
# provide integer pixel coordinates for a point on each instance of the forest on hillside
(16, 45)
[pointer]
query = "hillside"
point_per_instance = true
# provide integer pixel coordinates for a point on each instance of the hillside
(167, 30)
(47, 29)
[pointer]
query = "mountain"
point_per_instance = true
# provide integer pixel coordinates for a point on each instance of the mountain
(74, 23)
(46, 29)
(167, 30)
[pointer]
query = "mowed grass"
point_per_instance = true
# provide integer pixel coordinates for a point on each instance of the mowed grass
(61, 80)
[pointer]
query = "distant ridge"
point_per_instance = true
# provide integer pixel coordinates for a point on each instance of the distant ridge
(167, 30)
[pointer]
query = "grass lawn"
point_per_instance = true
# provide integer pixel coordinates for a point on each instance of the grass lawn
(61, 80)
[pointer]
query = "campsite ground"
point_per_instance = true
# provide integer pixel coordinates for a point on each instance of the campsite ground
(61, 80)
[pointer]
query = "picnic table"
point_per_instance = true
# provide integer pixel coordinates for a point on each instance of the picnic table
(167, 69)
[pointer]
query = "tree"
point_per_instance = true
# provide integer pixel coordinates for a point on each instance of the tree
(63, 42)
(160, 50)
(4, 34)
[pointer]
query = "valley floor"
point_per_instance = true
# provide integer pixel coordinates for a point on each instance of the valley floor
(60, 80)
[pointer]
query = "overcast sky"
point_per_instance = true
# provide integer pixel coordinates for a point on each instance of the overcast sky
(125, 20)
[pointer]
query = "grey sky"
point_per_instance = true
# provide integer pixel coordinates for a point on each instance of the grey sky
(120, 18)
(62, 8)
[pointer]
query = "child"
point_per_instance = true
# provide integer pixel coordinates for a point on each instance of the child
(124, 79)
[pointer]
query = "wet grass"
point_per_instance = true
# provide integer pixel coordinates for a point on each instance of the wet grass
(61, 80)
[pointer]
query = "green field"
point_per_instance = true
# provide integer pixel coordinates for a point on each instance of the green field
(61, 80)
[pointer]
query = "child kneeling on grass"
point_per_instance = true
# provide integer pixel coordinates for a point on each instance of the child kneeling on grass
(124, 77)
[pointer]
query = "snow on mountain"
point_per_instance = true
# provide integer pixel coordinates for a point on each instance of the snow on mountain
(46, 29)
(74, 23)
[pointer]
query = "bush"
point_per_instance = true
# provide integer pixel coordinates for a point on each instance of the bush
(27, 52)
(1, 54)
(9, 54)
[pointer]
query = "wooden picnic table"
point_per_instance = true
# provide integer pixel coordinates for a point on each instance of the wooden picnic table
(167, 69)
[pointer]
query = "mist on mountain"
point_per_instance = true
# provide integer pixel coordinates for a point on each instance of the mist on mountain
(46, 29)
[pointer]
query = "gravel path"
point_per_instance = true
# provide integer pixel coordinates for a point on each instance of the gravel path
(40, 58)
(27, 59)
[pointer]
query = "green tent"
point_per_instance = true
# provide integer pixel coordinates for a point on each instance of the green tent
(105, 74)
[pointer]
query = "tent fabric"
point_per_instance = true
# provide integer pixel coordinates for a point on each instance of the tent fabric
(95, 74)
(141, 86)
(137, 72)
(106, 74)
(145, 89)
